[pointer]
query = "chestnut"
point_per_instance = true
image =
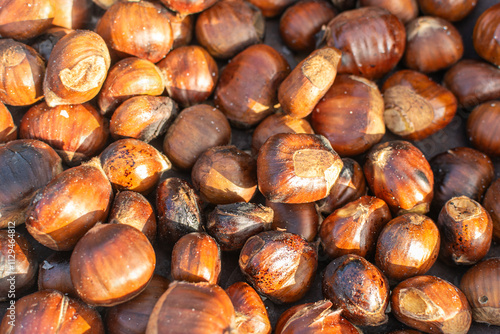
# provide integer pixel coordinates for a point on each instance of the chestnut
(407, 246)
(279, 265)
(44, 43)
(196, 258)
(350, 115)
(8, 130)
(21, 73)
(229, 26)
(71, 14)
(224, 175)
(297, 168)
(432, 44)
(491, 203)
(129, 77)
(182, 28)
(54, 273)
(354, 228)
(372, 41)
(302, 21)
(398, 173)
(131, 164)
(179, 210)
(308, 82)
(24, 19)
(186, 7)
(271, 8)
(140, 29)
(480, 285)
(70, 205)
(405, 10)
(111, 264)
(432, 305)
(48, 311)
(26, 165)
(232, 224)
(190, 74)
(483, 128)
(350, 186)
(143, 117)
(76, 69)
(485, 35)
(246, 92)
(451, 10)
(76, 132)
(358, 288)
(415, 106)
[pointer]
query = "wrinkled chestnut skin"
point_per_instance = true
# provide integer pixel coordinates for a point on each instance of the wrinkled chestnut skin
(371, 39)
(251, 314)
(54, 273)
(196, 308)
(314, 318)
(186, 7)
(398, 173)
(405, 10)
(350, 115)
(407, 246)
(23, 19)
(179, 210)
(44, 311)
(8, 130)
(271, 8)
(491, 203)
(483, 128)
(485, 35)
(279, 265)
(354, 228)
(350, 186)
(432, 305)
(481, 284)
(246, 92)
(460, 171)
(451, 10)
(357, 287)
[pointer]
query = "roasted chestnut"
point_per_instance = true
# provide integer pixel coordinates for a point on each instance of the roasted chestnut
(485, 35)
(405, 10)
(491, 203)
(451, 10)
(483, 128)
(71, 14)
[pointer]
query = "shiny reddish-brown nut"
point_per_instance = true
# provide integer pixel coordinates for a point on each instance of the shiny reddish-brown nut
(76, 69)
(44, 43)
(302, 218)
(308, 82)
(132, 208)
(54, 274)
(196, 258)
(248, 85)
(405, 10)
(357, 287)
(354, 228)
(372, 41)
(224, 175)
(271, 8)
(131, 164)
(473, 82)
(182, 28)
(398, 173)
(23, 19)
(279, 265)
(132, 317)
(111, 264)
(481, 285)
(26, 165)
(232, 224)
(186, 7)
(466, 229)
(297, 168)
(204, 125)
(179, 210)
(485, 36)
(350, 186)
(314, 318)
(229, 27)
(415, 106)
(407, 246)
(8, 130)
(143, 117)
(18, 264)
(45, 311)
(251, 313)
(451, 10)
(460, 171)
(76, 132)
(70, 205)
(491, 203)
(21, 73)
(432, 44)
(302, 21)
(190, 74)
(350, 115)
(72, 14)
(129, 77)
(483, 128)
(432, 305)
(140, 29)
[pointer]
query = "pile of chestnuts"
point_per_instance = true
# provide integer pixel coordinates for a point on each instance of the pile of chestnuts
(249, 166)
